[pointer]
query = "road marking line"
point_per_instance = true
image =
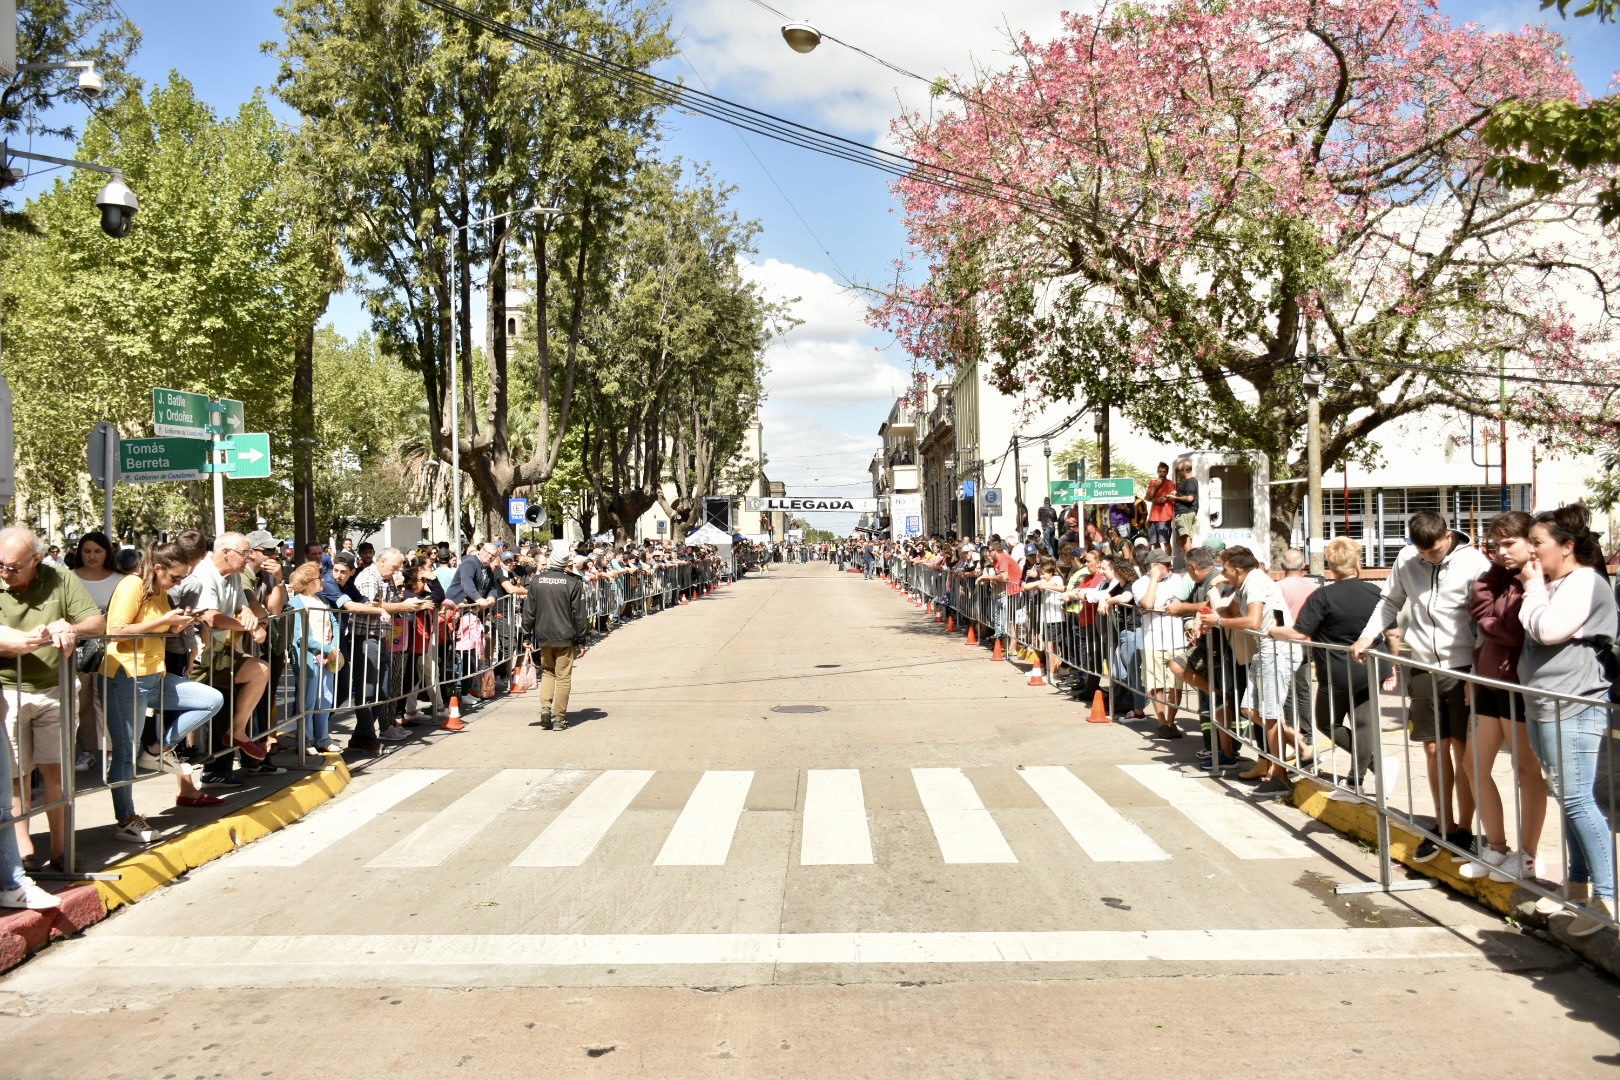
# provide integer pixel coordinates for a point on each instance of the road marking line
(1232, 823)
(964, 829)
(453, 827)
(1101, 831)
(316, 958)
(307, 838)
(835, 831)
(574, 833)
(703, 833)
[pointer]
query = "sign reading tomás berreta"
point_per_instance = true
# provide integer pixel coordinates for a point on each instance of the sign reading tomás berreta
(810, 505)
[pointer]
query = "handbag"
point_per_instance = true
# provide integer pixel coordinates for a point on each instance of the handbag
(486, 685)
(525, 679)
(335, 661)
(1608, 655)
(88, 654)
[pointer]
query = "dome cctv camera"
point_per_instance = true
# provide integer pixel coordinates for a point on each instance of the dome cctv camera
(91, 82)
(118, 206)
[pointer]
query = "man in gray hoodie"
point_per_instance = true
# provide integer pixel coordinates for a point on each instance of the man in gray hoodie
(556, 622)
(1432, 579)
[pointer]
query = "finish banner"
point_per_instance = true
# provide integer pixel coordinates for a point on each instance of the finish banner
(810, 505)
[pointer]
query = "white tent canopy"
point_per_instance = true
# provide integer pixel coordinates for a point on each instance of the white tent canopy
(708, 534)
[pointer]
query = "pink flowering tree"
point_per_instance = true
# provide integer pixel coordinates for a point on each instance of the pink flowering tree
(1165, 207)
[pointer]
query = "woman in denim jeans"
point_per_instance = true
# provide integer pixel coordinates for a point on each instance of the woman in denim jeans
(138, 617)
(318, 656)
(1567, 611)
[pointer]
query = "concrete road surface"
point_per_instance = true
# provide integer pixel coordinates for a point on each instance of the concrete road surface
(797, 830)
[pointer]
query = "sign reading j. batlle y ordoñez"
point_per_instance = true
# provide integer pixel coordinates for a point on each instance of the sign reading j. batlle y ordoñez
(811, 505)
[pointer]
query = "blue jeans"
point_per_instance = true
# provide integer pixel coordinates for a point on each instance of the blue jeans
(11, 867)
(1569, 755)
(1127, 667)
(320, 691)
(128, 699)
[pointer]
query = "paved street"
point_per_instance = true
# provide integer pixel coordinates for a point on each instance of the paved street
(940, 871)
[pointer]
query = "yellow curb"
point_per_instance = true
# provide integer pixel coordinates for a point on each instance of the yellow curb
(1360, 820)
(162, 863)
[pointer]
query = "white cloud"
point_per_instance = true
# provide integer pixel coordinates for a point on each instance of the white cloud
(831, 357)
(737, 46)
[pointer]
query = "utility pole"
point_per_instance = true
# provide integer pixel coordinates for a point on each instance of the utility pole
(1315, 372)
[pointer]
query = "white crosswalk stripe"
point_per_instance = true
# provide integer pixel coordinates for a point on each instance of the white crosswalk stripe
(1232, 823)
(963, 827)
(454, 827)
(702, 834)
(293, 847)
(1101, 831)
(835, 827)
(574, 833)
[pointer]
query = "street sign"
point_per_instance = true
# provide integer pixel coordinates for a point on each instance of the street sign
(179, 412)
(662, 525)
(515, 509)
(248, 457)
(150, 461)
(235, 422)
(967, 489)
(95, 452)
(1064, 492)
(1110, 489)
(992, 502)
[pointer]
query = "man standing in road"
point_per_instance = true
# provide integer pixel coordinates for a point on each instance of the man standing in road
(1433, 578)
(556, 622)
(51, 606)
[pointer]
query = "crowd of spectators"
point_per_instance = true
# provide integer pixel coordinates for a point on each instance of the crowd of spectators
(165, 640)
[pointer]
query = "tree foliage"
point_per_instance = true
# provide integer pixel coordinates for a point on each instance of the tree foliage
(421, 127)
(206, 293)
(1179, 192)
(55, 31)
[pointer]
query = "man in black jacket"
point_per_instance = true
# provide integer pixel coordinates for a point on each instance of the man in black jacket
(556, 622)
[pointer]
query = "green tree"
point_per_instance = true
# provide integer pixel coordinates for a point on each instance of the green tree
(422, 125)
(206, 293)
(55, 31)
(363, 401)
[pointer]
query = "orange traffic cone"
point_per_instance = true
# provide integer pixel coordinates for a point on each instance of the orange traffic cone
(453, 722)
(1099, 712)
(950, 623)
(972, 638)
(939, 616)
(996, 653)
(683, 598)
(1037, 676)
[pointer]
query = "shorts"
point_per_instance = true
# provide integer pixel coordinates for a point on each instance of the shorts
(1185, 523)
(1158, 532)
(1271, 678)
(1436, 706)
(1491, 701)
(34, 726)
(1156, 673)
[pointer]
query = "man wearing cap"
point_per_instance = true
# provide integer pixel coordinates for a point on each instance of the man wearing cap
(556, 621)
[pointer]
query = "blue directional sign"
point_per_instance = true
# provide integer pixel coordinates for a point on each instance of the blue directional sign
(967, 489)
(515, 509)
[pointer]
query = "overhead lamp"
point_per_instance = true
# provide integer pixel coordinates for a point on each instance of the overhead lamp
(801, 37)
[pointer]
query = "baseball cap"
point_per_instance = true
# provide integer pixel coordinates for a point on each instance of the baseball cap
(258, 540)
(346, 558)
(1214, 543)
(1161, 557)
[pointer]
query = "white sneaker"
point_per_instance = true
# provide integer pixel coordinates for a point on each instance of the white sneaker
(1488, 862)
(138, 830)
(164, 762)
(81, 763)
(1520, 866)
(28, 896)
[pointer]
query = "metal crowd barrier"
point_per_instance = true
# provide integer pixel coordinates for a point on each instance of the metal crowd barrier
(1248, 692)
(412, 664)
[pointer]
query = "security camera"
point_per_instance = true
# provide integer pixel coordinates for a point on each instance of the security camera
(118, 208)
(91, 82)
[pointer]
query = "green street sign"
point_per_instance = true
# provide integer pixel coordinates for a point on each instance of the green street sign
(151, 461)
(179, 412)
(235, 417)
(1112, 489)
(1064, 492)
(248, 457)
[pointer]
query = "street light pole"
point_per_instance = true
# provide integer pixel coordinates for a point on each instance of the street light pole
(455, 366)
(1315, 375)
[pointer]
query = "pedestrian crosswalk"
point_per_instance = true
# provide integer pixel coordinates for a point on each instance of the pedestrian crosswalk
(1160, 809)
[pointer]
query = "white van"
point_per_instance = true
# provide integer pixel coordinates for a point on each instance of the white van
(1234, 498)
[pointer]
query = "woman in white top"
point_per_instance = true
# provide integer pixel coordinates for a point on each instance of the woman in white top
(1568, 614)
(95, 570)
(319, 657)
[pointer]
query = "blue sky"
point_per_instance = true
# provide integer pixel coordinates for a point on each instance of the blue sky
(825, 222)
